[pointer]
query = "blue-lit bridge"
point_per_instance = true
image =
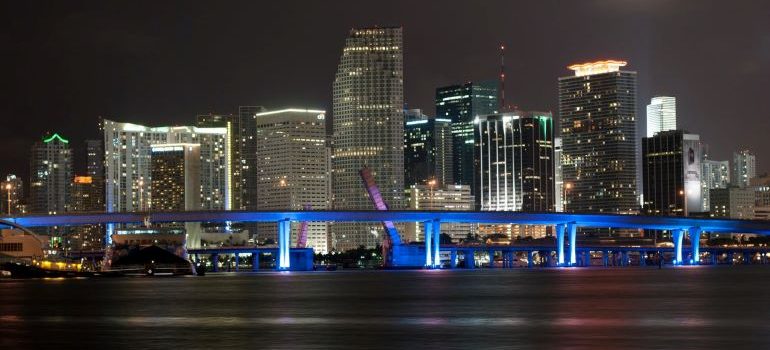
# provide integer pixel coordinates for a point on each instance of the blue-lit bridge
(565, 224)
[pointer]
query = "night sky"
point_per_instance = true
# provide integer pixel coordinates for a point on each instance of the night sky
(65, 63)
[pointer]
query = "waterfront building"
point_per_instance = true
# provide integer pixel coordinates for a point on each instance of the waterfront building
(12, 199)
(175, 177)
(733, 202)
(50, 175)
(440, 198)
(671, 171)
(294, 174)
(85, 196)
(368, 99)
(558, 178)
(427, 149)
(461, 104)
(515, 162)
(661, 115)
(597, 107)
(239, 167)
(715, 174)
(744, 168)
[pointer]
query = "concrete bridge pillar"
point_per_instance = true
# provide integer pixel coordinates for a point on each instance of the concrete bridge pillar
(453, 259)
(572, 232)
(695, 233)
(428, 237)
(713, 256)
(237, 257)
(255, 261)
(436, 243)
(530, 263)
(215, 262)
(284, 244)
(747, 258)
(559, 228)
(605, 257)
(470, 261)
(586, 258)
(678, 236)
(491, 254)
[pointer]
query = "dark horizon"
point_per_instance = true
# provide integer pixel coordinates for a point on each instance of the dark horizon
(164, 63)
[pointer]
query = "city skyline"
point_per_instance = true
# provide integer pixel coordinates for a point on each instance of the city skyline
(82, 88)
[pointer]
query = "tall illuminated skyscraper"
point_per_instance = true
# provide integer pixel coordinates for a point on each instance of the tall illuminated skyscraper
(427, 149)
(293, 163)
(597, 107)
(50, 175)
(744, 168)
(12, 190)
(461, 104)
(661, 115)
(368, 128)
(671, 163)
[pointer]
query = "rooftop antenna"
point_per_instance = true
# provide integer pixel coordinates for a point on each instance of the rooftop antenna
(502, 77)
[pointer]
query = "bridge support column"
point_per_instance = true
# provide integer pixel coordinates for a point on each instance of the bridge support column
(255, 261)
(215, 262)
(237, 257)
(747, 258)
(642, 258)
(587, 258)
(284, 243)
(713, 256)
(491, 254)
(695, 233)
(605, 257)
(572, 232)
(470, 260)
(530, 263)
(436, 243)
(427, 230)
(678, 236)
(559, 244)
(453, 259)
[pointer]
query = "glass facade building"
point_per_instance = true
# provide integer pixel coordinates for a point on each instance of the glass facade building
(597, 109)
(671, 168)
(427, 149)
(661, 115)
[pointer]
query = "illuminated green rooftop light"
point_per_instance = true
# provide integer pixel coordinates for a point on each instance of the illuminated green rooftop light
(55, 136)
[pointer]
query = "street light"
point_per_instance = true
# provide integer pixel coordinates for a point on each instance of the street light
(567, 187)
(431, 183)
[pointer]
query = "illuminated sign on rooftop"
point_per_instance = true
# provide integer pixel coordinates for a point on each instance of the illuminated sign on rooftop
(597, 67)
(55, 137)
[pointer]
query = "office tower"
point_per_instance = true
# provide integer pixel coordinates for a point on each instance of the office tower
(461, 104)
(234, 143)
(515, 162)
(427, 149)
(661, 115)
(245, 172)
(744, 168)
(292, 158)
(176, 178)
(597, 107)
(672, 173)
(50, 175)
(440, 198)
(733, 202)
(11, 201)
(368, 128)
(715, 174)
(85, 196)
(95, 170)
(128, 163)
(558, 179)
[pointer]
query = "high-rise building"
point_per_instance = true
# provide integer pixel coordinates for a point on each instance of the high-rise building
(558, 178)
(661, 115)
(234, 143)
(368, 128)
(440, 198)
(50, 175)
(175, 177)
(597, 107)
(11, 201)
(245, 172)
(292, 159)
(515, 162)
(733, 202)
(128, 164)
(715, 174)
(427, 149)
(461, 104)
(672, 173)
(744, 168)
(85, 196)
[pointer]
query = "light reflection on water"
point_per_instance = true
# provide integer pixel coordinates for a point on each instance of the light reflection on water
(698, 308)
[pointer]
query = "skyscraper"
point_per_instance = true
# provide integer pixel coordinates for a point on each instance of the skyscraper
(715, 174)
(515, 162)
(176, 178)
(234, 143)
(558, 178)
(661, 115)
(12, 199)
(597, 107)
(427, 149)
(461, 104)
(245, 172)
(744, 168)
(672, 173)
(292, 158)
(368, 128)
(50, 175)
(85, 196)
